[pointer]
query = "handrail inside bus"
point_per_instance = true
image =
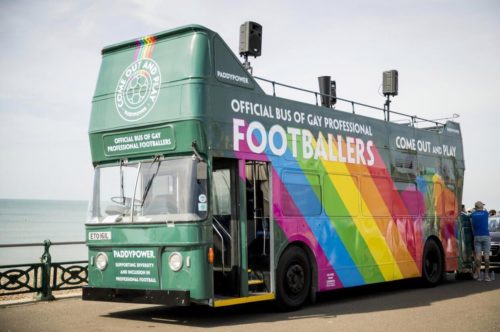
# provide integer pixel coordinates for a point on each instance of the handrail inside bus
(413, 119)
(222, 241)
(223, 228)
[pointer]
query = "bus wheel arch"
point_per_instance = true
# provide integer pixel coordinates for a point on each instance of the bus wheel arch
(296, 279)
(433, 262)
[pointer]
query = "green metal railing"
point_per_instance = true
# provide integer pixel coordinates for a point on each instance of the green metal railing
(43, 277)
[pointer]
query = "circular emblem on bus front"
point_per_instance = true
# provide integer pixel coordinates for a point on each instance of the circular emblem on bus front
(138, 89)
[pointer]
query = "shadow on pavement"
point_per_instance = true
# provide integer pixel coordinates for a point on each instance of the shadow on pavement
(365, 299)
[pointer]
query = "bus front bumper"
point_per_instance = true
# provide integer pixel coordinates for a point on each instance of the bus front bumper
(165, 297)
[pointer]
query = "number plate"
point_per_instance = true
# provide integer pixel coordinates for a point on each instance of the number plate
(97, 236)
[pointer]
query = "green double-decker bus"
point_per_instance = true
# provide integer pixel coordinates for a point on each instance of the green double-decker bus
(208, 190)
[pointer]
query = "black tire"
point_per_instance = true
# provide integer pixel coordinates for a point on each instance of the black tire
(432, 264)
(293, 279)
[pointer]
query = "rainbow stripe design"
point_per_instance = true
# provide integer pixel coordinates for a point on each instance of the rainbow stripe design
(366, 230)
(144, 47)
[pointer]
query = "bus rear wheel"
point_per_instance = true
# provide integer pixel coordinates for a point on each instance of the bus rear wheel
(293, 280)
(432, 264)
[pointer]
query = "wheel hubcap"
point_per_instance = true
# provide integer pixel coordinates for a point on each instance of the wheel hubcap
(431, 266)
(295, 278)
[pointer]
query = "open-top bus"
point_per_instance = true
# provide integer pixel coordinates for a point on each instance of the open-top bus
(208, 190)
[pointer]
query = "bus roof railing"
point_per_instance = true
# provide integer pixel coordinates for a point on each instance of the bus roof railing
(413, 119)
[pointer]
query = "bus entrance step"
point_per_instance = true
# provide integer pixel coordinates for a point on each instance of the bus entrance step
(255, 282)
(255, 297)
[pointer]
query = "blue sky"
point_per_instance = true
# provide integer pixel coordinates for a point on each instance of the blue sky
(447, 54)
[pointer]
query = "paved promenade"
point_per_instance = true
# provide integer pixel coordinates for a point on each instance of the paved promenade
(400, 306)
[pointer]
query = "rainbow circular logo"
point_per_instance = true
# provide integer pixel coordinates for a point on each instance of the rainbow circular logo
(138, 89)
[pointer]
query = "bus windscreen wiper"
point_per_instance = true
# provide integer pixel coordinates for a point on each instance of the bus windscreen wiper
(150, 182)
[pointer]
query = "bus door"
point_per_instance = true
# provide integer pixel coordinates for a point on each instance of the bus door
(259, 226)
(226, 230)
(241, 236)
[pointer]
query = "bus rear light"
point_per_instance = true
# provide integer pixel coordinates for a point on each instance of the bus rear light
(211, 256)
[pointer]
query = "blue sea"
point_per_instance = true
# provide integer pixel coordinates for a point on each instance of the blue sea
(33, 221)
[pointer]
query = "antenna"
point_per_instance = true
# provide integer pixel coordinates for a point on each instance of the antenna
(389, 88)
(250, 42)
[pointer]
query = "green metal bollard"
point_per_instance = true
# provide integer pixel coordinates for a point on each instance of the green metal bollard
(46, 260)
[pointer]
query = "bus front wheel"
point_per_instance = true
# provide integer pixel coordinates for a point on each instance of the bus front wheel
(432, 264)
(293, 280)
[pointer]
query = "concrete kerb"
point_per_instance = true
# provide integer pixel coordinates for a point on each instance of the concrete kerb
(31, 300)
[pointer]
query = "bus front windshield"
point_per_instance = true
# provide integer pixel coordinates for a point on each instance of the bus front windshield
(156, 191)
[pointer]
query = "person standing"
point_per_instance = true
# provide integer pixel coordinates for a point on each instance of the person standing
(482, 240)
(463, 211)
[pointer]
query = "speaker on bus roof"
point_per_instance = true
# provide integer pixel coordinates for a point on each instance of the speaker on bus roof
(390, 83)
(250, 39)
(327, 87)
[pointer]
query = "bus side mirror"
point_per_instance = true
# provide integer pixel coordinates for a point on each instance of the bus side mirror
(201, 170)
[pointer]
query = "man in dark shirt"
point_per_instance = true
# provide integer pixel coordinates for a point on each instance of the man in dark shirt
(482, 241)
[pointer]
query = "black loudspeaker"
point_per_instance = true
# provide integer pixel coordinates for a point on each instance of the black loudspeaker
(390, 83)
(333, 92)
(325, 88)
(250, 39)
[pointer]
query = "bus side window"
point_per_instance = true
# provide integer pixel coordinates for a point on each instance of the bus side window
(305, 191)
(448, 169)
(404, 164)
(377, 192)
(341, 195)
(450, 201)
(435, 199)
(408, 201)
(428, 165)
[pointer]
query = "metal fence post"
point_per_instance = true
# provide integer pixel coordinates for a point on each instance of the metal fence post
(46, 260)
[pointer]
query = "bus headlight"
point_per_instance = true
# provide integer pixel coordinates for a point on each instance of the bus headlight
(175, 261)
(101, 261)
